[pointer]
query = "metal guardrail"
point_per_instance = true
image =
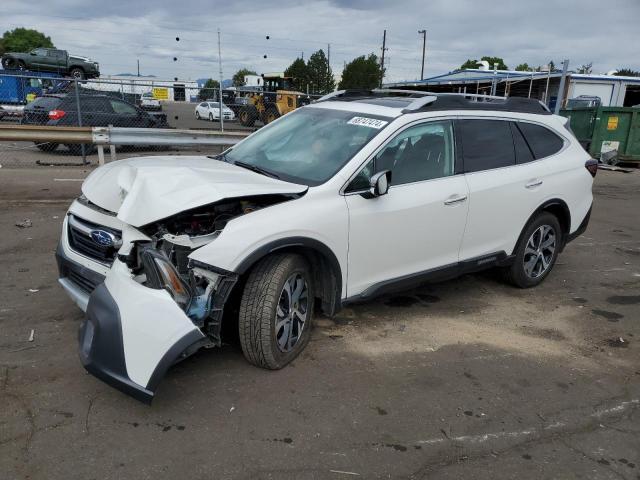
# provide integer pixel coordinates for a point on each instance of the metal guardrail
(111, 136)
(42, 133)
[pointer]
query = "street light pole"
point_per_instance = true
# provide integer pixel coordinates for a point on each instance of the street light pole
(220, 86)
(424, 46)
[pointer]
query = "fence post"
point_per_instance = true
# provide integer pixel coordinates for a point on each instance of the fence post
(82, 149)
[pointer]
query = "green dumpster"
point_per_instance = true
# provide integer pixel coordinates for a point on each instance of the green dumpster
(603, 129)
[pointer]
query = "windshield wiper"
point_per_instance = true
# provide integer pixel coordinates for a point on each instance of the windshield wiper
(255, 168)
(221, 156)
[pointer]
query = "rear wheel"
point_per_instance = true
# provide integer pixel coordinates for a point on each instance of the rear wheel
(211, 117)
(537, 251)
(9, 63)
(47, 147)
(271, 114)
(77, 73)
(276, 311)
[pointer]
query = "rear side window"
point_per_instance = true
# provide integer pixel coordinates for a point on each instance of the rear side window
(93, 105)
(523, 152)
(486, 144)
(543, 142)
(45, 103)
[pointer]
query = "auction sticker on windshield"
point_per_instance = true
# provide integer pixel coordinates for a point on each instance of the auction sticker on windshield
(367, 122)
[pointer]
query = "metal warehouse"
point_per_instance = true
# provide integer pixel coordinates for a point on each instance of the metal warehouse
(616, 91)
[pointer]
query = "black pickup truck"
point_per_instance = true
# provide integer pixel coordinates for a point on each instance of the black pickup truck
(51, 60)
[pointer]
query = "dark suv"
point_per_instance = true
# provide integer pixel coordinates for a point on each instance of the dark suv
(61, 110)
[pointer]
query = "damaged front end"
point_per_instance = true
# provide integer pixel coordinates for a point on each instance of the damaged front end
(157, 306)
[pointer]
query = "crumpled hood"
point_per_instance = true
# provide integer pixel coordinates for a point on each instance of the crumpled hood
(146, 189)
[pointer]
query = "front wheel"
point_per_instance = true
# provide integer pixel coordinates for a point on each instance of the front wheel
(197, 115)
(536, 252)
(276, 311)
(76, 73)
(47, 147)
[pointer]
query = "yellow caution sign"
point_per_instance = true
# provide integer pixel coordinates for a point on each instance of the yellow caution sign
(612, 123)
(160, 93)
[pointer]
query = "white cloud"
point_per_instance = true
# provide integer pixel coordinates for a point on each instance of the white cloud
(117, 33)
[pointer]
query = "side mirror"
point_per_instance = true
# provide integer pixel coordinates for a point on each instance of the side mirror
(379, 184)
(32, 53)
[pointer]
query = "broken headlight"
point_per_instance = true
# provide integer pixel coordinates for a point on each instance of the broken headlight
(161, 274)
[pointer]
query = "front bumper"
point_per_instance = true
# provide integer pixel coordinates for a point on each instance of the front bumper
(132, 334)
(105, 354)
(77, 280)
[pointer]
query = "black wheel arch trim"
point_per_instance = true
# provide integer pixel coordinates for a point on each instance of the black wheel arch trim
(544, 206)
(300, 242)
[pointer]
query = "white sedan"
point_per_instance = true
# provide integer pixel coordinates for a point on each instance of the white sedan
(211, 111)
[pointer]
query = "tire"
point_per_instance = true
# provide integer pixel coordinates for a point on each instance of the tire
(197, 115)
(76, 148)
(533, 264)
(47, 147)
(266, 303)
(77, 73)
(270, 115)
(9, 63)
(211, 117)
(247, 116)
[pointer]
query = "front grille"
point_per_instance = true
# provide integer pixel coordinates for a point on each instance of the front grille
(80, 240)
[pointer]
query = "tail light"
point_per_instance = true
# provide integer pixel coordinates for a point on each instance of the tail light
(592, 166)
(56, 114)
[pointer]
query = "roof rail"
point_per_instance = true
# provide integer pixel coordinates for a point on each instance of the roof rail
(422, 100)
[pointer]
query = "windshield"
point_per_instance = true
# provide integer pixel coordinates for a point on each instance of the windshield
(309, 145)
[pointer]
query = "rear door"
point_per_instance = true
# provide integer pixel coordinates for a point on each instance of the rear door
(505, 183)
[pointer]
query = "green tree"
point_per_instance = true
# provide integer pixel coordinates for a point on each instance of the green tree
(238, 77)
(474, 63)
(300, 74)
(586, 68)
(523, 67)
(23, 40)
(209, 90)
(627, 72)
(320, 73)
(361, 72)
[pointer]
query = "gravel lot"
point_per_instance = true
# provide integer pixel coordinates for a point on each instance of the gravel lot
(465, 379)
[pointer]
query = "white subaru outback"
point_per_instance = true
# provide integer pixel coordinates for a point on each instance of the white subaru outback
(338, 201)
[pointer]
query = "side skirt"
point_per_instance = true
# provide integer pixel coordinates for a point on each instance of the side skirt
(498, 259)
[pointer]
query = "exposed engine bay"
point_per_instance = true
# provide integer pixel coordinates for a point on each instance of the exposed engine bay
(200, 290)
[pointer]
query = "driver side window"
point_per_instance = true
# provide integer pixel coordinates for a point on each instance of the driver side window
(422, 152)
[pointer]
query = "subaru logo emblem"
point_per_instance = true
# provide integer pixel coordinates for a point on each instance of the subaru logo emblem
(103, 238)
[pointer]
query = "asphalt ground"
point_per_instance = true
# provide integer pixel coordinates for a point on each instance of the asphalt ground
(469, 378)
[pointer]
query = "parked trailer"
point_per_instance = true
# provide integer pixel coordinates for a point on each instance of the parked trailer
(19, 88)
(603, 129)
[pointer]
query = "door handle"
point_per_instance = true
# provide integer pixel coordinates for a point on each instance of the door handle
(453, 200)
(533, 184)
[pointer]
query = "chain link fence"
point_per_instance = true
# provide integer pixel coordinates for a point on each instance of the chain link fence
(46, 99)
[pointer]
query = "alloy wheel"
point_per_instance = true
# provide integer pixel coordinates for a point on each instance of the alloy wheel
(539, 251)
(292, 312)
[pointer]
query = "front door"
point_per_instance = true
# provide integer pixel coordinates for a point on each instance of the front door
(419, 224)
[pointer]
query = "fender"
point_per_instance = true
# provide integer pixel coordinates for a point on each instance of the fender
(299, 242)
(565, 222)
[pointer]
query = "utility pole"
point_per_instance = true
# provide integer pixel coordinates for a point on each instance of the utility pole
(384, 47)
(328, 65)
(424, 46)
(138, 67)
(220, 85)
(563, 79)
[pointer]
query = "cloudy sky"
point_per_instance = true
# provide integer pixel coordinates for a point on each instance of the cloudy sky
(117, 32)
